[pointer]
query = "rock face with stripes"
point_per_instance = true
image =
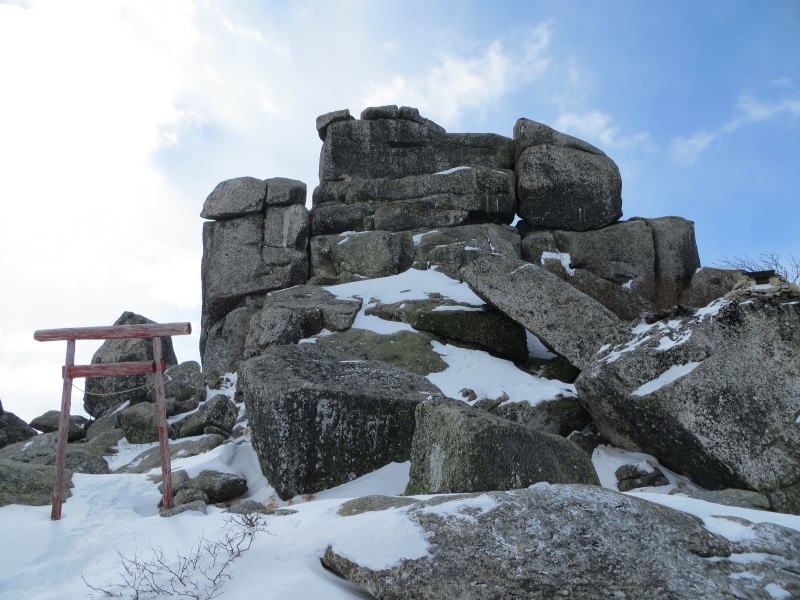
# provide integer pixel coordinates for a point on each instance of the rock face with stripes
(713, 393)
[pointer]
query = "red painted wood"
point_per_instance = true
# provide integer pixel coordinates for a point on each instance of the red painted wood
(161, 416)
(63, 432)
(113, 332)
(112, 369)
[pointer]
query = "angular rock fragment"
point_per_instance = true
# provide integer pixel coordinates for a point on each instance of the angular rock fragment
(457, 448)
(48, 423)
(29, 483)
(349, 256)
(218, 412)
(13, 429)
(318, 421)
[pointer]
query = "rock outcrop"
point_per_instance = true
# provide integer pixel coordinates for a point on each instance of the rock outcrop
(457, 448)
(48, 422)
(12, 428)
(571, 541)
(104, 394)
(714, 394)
(325, 421)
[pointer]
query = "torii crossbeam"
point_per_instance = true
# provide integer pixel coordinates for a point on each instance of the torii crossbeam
(71, 371)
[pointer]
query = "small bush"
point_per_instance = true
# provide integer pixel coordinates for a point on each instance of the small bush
(198, 574)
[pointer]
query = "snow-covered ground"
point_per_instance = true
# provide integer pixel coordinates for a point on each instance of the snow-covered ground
(45, 560)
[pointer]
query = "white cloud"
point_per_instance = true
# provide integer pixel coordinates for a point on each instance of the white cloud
(686, 150)
(459, 82)
(596, 127)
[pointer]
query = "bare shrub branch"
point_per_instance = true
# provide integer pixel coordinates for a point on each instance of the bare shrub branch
(788, 267)
(198, 574)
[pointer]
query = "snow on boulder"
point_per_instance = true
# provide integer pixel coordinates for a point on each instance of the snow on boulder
(714, 394)
(553, 541)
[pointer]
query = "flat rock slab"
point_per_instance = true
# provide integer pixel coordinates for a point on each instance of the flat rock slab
(713, 394)
(568, 321)
(349, 256)
(86, 457)
(318, 421)
(29, 483)
(553, 541)
(458, 448)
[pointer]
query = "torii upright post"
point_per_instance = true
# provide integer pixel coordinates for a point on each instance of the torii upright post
(155, 331)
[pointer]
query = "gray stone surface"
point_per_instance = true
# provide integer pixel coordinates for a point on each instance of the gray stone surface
(249, 255)
(560, 416)
(407, 350)
(394, 148)
(443, 317)
(630, 477)
(139, 423)
(708, 284)
(529, 133)
(282, 191)
(84, 457)
(225, 342)
(359, 506)
(197, 506)
(188, 494)
(729, 497)
(676, 257)
(138, 349)
(48, 422)
(217, 486)
(151, 459)
(29, 483)
(341, 258)
(714, 395)
(218, 412)
(571, 541)
(184, 382)
(425, 201)
(332, 117)
(318, 422)
(451, 248)
(561, 187)
(234, 198)
(13, 429)
(568, 321)
(458, 448)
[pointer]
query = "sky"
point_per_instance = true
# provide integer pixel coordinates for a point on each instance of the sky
(117, 118)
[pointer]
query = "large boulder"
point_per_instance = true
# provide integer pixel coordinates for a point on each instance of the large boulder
(568, 321)
(185, 382)
(563, 183)
(106, 393)
(139, 423)
(554, 541)
(215, 416)
(458, 448)
(392, 147)
(459, 197)
(317, 421)
(247, 195)
(451, 248)
(214, 485)
(29, 483)
(408, 350)
(48, 422)
(13, 429)
(478, 325)
(708, 284)
(84, 457)
(225, 342)
(559, 416)
(714, 394)
(249, 255)
(355, 255)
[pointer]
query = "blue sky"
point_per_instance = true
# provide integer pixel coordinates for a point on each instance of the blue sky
(117, 118)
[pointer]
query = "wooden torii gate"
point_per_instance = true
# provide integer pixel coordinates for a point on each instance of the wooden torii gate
(71, 371)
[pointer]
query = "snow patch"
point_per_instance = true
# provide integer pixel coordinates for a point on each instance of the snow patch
(562, 257)
(453, 170)
(669, 376)
(607, 459)
(459, 307)
(463, 509)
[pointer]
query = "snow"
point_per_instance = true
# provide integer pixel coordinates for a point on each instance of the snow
(460, 307)
(490, 377)
(463, 509)
(562, 257)
(517, 218)
(669, 376)
(347, 235)
(628, 284)
(668, 343)
(607, 459)
(712, 309)
(776, 591)
(536, 349)
(715, 516)
(453, 170)
(418, 237)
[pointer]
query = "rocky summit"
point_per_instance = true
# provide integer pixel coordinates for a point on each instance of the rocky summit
(452, 370)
